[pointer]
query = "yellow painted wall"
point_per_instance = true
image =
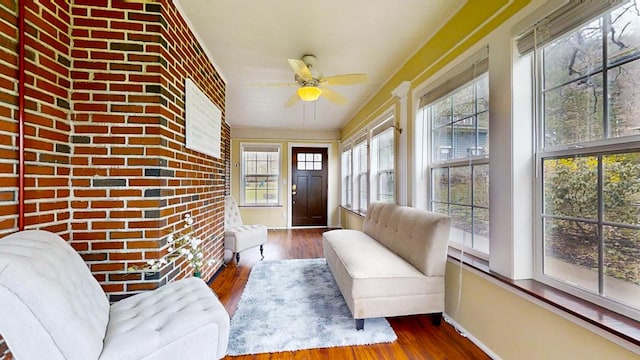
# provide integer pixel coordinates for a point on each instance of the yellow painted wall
(510, 325)
(277, 216)
(515, 328)
(351, 220)
(473, 21)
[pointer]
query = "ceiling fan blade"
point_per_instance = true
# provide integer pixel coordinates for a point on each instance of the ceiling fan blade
(348, 79)
(292, 100)
(301, 69)
(274, 85)
(334, 97)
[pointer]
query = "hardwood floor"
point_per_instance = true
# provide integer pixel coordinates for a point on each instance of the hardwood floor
(417, 337)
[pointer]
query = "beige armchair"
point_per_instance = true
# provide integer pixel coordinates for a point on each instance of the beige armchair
(237, 236)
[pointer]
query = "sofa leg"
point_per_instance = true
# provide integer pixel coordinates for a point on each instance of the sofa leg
(436, 319)
(359, 324)
(262, 251)
(237, 257)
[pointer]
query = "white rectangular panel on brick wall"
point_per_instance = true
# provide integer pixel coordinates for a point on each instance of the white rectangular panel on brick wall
(203, 121)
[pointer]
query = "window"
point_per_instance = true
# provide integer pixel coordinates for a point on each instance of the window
(309, 161)
(260, 174)
(361, 183)
(383, 163)
(457, 124)
(589, 157)
(347, 178)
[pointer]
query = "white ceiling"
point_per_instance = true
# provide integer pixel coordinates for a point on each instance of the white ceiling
(250, 41)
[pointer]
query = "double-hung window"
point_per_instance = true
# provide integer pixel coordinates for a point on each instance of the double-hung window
(383, 162)
(455, 119)
(361, 181)
(260, 174)
(347, 177)
(588, 155)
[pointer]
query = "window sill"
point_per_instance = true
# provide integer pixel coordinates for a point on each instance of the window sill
(611, 322)
(252, 206)
(357, 213)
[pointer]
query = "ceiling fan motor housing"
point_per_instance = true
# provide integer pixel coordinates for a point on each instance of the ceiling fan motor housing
(309, 60)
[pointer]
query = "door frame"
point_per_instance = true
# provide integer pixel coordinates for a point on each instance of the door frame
(290, 147)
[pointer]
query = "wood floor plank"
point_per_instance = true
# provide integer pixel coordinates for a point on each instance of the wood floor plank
(417, 337)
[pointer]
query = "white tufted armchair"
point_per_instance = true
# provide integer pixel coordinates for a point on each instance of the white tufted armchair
(51, 307)
(237, 236)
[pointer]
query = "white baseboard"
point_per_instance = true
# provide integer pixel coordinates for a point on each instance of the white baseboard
(470, 336)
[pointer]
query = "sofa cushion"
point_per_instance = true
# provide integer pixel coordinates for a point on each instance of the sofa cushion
(60, 302)
(159, 323)
(369, 270)
(418, 236)
(243, 237)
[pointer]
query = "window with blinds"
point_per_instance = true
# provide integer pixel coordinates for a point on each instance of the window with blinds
(455, 124)
(588, 152)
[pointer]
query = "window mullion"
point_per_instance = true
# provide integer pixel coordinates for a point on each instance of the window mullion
(606, 26)
(600, 187)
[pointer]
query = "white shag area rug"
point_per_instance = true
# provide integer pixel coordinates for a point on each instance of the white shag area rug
(291, 305)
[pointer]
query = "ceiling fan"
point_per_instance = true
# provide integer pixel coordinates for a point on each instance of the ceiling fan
(312, 84)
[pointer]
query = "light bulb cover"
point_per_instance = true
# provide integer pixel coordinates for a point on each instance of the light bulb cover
(309, 93)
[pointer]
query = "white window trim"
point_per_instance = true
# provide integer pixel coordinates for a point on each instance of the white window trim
(425, 164)
(242, 173)
(378, 126)
(330, 176)
(590, 147)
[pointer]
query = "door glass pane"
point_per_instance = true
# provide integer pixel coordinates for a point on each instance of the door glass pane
(571, 252)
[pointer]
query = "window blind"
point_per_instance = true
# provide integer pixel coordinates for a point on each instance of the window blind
(260, 148)
(475, 70)
(384, 125)
(566, 18)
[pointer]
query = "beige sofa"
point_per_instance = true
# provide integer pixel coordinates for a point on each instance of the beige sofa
(395, 266)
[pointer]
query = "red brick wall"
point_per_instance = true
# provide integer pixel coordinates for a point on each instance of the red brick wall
(47, 109)
(133, 179)
(8, 115)
(107, 166)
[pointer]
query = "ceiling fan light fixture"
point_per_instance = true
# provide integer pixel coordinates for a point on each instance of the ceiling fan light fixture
(309, 93)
